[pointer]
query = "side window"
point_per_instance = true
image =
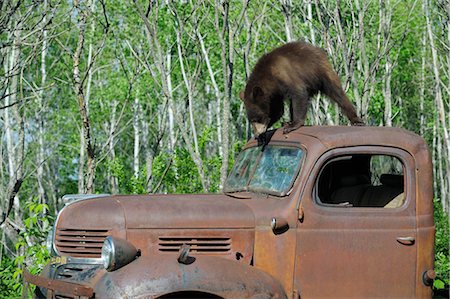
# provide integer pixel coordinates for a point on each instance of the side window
(361, 180)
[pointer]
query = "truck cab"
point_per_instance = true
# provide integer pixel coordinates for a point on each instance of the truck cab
(320, 212)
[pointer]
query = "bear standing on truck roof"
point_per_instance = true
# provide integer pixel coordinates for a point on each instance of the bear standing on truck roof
(295, 71)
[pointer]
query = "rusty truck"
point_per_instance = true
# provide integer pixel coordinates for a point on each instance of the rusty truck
(324, 211)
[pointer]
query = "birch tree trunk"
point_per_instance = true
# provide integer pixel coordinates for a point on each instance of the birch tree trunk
(171, 118)
(286, 7)
(317, 101)
(40, 115)
(422, 86)
(148, 156)
(246, 56)
(386, 86)
(14, 124)
(10, 66)
(387, 93)
(433, 156)
(187, 81)
(365, 67)
(136, 112)
(81, 98)
(216, 91)
(114, 182)
(327, 44)
(81, 162)
(226, 38)
(440, 168)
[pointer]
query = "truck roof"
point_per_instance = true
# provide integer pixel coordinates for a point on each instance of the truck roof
(346, 136)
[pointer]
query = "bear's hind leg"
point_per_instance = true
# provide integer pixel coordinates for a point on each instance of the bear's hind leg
(298, 109)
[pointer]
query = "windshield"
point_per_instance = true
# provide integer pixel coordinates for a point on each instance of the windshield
(270, 171)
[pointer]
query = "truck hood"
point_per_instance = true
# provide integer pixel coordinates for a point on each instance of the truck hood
(157, 212)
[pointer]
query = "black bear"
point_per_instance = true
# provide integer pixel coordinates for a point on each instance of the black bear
(295, 71)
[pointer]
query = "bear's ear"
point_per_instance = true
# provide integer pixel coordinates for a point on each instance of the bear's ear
(241, 96)
(257, 92)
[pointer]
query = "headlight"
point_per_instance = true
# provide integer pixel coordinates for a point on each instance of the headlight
(117, 253)
(107, 253)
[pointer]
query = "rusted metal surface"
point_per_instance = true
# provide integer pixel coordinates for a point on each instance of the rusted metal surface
(62, 287)
(248, 245)
(152, 276)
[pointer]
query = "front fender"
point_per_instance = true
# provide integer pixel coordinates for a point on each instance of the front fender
(154, 276)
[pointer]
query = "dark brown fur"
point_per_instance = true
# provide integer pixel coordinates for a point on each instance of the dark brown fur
(295, 71)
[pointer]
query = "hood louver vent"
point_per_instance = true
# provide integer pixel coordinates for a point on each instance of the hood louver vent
(199, 245)
(80, 243)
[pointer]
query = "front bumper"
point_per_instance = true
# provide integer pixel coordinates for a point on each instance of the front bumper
(53, 287)
(69, 280)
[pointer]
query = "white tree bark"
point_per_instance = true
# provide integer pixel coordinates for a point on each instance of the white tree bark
(422, 86)
(113, 180)
(136, 118)
(286, 6)
(170, 110)
(226, 36)
(216, 89)
(440, 168)
(81, 99)
(14, 126)
(41, 113)
(81, 162)
(387, 94)
(188, 84)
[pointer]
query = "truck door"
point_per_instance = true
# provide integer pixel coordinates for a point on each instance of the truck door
(357, 238)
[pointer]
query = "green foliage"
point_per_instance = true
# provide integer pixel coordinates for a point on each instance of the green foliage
(376, 109)
(162, 171)
(176, 173)
(442, 257)
(128, 183)
(10, 286)
(31, 252)
(188, 180)
(117, 169)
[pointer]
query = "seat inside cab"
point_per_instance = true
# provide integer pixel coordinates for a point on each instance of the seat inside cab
(362, 180)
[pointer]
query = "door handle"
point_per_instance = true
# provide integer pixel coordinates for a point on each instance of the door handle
(406, 240)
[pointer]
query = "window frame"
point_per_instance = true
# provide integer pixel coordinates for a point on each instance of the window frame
(403, 156)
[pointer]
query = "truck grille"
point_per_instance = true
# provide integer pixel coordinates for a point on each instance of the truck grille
(207, 245)
(86, 243)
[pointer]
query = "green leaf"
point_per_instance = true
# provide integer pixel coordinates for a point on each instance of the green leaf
(438, 284)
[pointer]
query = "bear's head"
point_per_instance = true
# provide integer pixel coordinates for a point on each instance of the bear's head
(258, 109)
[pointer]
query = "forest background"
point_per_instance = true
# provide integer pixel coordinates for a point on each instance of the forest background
(139, 96)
